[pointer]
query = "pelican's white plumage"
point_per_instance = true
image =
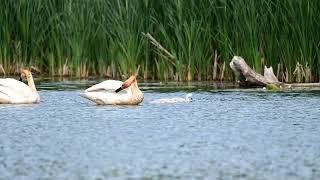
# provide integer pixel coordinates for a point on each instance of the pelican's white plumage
(16, 92)
(108, 85)
(105, 93)
(174, 100)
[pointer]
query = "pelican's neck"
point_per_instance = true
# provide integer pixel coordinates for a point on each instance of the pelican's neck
(31, 83)
(134, 88)
(136, 92)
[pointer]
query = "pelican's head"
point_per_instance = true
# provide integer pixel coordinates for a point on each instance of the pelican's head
(127, 83)
(189, 97)
(24, 73)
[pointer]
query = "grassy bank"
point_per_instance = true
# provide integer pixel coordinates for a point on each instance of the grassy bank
(171, 40)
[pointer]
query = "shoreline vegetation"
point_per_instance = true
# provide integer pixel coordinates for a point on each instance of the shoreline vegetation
(180, 40)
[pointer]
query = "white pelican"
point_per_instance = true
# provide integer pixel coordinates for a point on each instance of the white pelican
(112, 92)
(17, 92)
(187, 99)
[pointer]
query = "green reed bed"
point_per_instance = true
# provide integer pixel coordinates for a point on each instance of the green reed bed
(170, 40)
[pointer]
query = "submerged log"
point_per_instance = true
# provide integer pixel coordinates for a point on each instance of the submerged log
(302, 86)
(248, 77)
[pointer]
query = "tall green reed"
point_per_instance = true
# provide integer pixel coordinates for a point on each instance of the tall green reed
(108, 38)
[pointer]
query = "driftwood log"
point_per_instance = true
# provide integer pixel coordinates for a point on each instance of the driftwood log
(247, 77)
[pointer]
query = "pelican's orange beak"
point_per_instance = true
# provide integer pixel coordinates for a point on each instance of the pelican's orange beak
(126, 84)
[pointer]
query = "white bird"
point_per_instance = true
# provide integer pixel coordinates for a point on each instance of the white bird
(16, 92)
(174, 100)
(112, 92)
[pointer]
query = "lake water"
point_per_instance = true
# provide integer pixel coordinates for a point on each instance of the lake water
(225, 133)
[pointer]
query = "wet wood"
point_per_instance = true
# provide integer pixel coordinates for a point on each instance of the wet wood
(301, 86)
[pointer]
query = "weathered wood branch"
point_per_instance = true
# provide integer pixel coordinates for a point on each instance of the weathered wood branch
(158, 45)
(247, 77)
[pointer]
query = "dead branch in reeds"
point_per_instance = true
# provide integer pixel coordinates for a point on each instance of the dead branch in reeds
(158, 45)
(215, 65)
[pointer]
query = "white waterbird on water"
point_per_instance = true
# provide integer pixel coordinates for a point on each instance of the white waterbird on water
(112, 92)
(16, 92)
(174, 100)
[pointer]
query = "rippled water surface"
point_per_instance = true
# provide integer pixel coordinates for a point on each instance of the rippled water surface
(223, 134)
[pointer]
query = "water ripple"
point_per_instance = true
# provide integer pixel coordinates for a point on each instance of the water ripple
(228, 134)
